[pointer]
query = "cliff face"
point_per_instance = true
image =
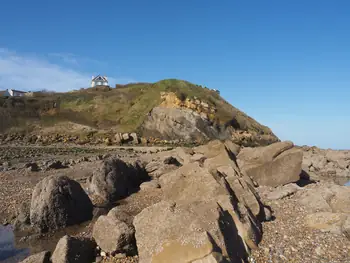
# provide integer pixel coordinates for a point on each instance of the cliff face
(195, 120)
(167, 110)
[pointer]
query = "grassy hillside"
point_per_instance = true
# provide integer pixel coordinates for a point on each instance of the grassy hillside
(123, 109)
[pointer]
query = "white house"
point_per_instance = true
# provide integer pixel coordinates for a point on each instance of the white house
(14, 93)
(99, 81)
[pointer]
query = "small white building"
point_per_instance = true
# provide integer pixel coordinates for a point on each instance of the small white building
(14, 93)
(99, 81)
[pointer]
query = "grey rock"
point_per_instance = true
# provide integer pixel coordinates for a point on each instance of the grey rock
(122, 215)
(42, 257)
(115, 179)
(113, 235)
(70, 249)
(57, 202)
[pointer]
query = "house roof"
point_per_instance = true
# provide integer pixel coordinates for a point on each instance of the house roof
(100, 78)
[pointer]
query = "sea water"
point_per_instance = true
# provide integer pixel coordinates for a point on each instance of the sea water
(8, 251)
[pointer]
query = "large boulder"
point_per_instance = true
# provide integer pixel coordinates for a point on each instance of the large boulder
(274, 165)
(71, 249)
(58, 201)
(171, 232)
(193, 183)
(115, 179)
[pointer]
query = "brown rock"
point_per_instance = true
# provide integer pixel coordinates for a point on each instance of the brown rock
(326, 221)
(273, 165)
(169, 232)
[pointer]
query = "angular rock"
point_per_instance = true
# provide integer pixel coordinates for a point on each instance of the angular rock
(42, 257)
(113, 235)
(57, 202)
(122, 215)
(192, 183)
(326, 221)
(170, 232)
(327, 198)
(283, 191)
(115, 179)
(70, 249)
(273, 165)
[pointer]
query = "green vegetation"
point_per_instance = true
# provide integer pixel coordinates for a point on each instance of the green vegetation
(123, 108)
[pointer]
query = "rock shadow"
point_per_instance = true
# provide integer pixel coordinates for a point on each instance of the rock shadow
(305, 179)
(235, 246)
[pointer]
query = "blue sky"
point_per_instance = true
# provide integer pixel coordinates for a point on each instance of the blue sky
(285, 63)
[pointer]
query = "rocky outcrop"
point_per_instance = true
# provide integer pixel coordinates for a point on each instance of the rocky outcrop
(71, 249)
(325, 163)
(57, 202)
(175, 123)
(273, 165)
(208, 212)
(115, 179)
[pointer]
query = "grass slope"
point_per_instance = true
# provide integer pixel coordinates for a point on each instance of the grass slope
(123, 109)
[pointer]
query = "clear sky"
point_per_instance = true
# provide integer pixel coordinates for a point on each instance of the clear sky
(285, 63)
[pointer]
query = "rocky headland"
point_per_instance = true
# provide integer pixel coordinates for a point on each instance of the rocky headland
(163, 172)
